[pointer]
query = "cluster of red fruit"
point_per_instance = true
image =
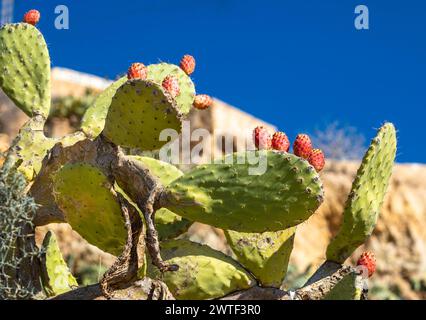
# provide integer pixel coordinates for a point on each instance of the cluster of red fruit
(32, 17)
(302, 146)
(171, 83)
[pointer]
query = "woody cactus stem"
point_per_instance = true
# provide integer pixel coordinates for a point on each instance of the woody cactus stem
(137, 181)
(152, 241)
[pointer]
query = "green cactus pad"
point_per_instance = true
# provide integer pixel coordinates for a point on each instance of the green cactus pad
(157, 73)
(230, 196)
(346, 289)
(56, 276)
(139, 111)
(265, 255)
(203, 273)
(169, 225)
(84, 195)
(25, 68)
(93, 121)
(366, 197)
(31, 146)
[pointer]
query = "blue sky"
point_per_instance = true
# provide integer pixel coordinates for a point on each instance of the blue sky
(296, 64)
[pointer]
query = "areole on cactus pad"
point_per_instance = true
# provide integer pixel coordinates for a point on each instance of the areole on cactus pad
(226, 196)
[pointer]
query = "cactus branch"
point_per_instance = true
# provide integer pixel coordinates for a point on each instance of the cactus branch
(152, 242)
(144, 188)
(124, 269)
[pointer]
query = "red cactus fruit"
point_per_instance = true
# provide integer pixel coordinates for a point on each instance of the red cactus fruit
(316, 159)
(187, 64)
(171, 84)
(137, 71)
(368, 260)
(280, 141)
(262, 138)
(302, 146)
(32, 17)
(202, 101)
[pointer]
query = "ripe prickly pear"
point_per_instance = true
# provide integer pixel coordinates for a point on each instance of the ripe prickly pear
(32, 17)
(137, 71)
(280, 142)
(187, 64)
(171, 85)
(368, 260)
(262, 138)
(302, 146)
(317, 160)
(202, 101)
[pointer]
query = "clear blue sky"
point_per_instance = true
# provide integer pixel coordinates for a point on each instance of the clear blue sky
(296, 64)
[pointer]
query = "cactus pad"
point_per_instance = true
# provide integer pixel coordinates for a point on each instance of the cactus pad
(25, 68)
(226, 196)
(157, 73)
(265, 255)
(366, 197)
(56, 276)
(349, 288)
(31, 146)
(84, 195)
(169, 225)
(139, 111)
(93, 121)
(203, 273)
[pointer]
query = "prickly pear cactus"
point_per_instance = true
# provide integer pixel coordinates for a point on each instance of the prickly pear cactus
(56, 276)
(85, 196)
(366, 197)
(203, 272)
(25, 68)
(261, 196)
(228, 197)
(140, 110)
(266, 255)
